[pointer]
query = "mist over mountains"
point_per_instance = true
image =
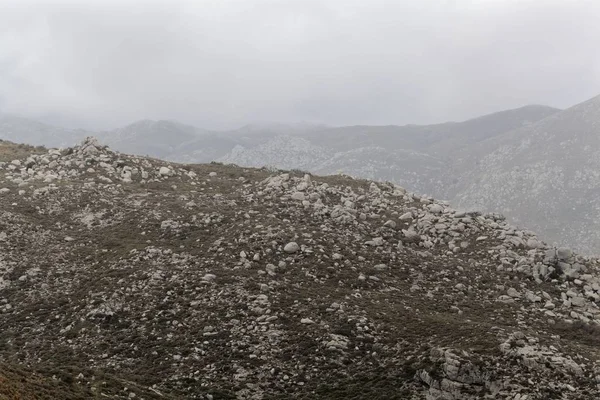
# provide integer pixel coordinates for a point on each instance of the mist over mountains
(537, 165)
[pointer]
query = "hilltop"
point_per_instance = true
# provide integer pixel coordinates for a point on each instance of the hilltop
(129, 277)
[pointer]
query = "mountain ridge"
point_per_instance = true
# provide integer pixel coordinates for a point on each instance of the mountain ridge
(543, 175)
(432, 160)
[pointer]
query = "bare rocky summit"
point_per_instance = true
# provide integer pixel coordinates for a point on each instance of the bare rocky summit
(127, 277)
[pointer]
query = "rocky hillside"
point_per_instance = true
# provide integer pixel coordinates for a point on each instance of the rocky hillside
(127, 277)
(545, 176)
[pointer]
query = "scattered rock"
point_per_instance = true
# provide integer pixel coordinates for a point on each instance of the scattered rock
(291, 247)
(139, 286)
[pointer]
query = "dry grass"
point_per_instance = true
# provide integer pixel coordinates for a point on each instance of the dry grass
(384, 351)
(579, 332)
(21, 384)
(10, 151)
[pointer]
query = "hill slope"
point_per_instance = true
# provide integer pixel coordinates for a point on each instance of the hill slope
(545, 176)
(220, 282)
(441, 139)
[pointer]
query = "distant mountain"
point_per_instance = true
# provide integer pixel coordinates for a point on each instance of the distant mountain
(23, 130)
(416, 156)
(437, 138)
(449, 138)
(275, 129)
(545, 176)
(409, 168)
(165, 139)
(160, 139)
(300, 145)
(206, 148)
(156, 138)
(284, 151)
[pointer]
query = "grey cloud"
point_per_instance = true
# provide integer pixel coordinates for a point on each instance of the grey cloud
(220, 64)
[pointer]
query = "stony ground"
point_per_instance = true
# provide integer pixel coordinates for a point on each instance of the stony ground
(127, 277)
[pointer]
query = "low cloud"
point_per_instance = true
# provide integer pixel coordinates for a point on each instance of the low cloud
(221, 64)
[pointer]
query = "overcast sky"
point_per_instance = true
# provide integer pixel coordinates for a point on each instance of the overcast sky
(225, 63)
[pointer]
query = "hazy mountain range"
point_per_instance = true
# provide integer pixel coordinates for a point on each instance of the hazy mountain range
(538, 165)
(545, 176)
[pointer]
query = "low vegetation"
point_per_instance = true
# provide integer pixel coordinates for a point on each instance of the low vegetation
(128, 277)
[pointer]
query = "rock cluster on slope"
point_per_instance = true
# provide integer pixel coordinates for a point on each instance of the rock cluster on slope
(130, 277)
